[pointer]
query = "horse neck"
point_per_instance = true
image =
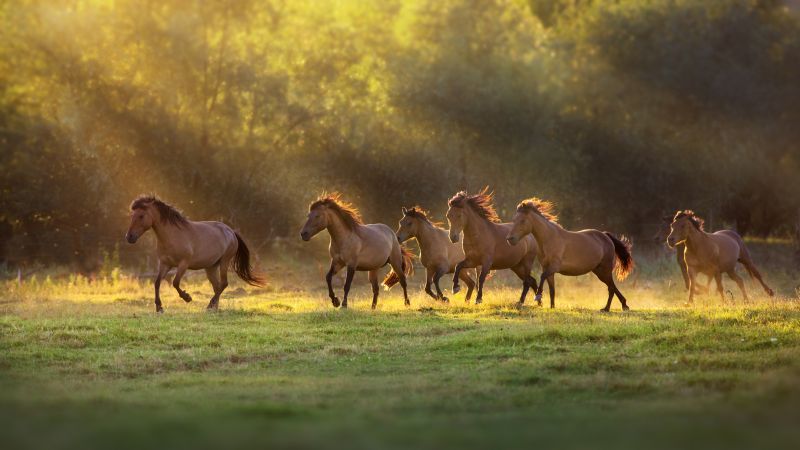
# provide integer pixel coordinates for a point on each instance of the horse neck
(165, 232)
(337, 229)
(542, 229)
(474, 225)
(696, 239)
(425, 233)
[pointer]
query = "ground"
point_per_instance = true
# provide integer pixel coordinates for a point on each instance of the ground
(89, 364)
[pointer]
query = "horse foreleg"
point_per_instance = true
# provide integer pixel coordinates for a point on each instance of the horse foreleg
(456, 273)
(486, 266)
(429, 273)
(329, 278)
(351, 270)
(439, 274)
(692, 284)
(551, 285)
(162, 270)
(176, 282)
(469, 282)
(546, 273)
(373, 280)
(680, 251)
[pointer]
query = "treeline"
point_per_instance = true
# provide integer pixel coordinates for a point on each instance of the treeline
(619, 111)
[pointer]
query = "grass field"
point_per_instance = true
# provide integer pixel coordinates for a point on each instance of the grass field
(90, 365)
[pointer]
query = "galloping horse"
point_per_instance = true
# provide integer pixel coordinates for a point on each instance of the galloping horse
(485, 244)
(660, 238)
(437, 253)
(190, 245)
(712, 253)
(357, 246)
(569, 252)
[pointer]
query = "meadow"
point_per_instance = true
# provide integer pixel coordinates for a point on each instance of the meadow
(89, 364)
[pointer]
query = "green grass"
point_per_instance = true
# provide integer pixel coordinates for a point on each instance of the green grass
(90, 365)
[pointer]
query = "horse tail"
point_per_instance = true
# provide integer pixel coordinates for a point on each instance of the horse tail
(750, 267)
(241, 264)
(622, 247)
(392, 277)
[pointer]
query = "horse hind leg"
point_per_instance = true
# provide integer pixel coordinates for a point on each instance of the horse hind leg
(739, 282)
(373, 280)
(213, 274)
(605, 274)
(467, 279)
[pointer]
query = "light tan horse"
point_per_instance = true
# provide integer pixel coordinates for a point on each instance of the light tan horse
(186, 244)
(485, 244)
(437, 253)
(357, 246)
(571, 252)
(712, 253)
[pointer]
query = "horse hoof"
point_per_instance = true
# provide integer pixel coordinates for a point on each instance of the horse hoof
(771, 293)
(335, 301)
(186, 297)
(478, 301)
(604, 310)
(344, 305)
(407, 303)
(444, 299)
(159, 310)
(456, 289)
(374, 305)
(625, 308)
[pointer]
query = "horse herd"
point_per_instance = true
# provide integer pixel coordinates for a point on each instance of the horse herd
(487, 244)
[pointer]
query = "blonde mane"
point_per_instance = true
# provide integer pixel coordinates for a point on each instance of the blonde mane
(481, 203)
(544, 208)
(346, 211)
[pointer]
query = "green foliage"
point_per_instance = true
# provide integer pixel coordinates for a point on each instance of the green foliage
(245, 110)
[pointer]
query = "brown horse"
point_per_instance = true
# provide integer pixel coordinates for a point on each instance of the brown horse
(660, 238)
(186, 244)
(485, 244)
(437, 253)
(357, 246)
(569, 252)
(711, 253)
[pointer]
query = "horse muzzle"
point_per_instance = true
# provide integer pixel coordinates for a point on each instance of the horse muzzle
(305, 235)
(512, 240)
(454, 239)
(131, 238)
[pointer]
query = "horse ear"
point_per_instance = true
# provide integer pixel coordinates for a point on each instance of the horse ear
(405, 211)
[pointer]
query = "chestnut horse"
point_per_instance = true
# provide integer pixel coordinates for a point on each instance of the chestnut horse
(357, 246)
(437, 253)
(485, 244)
(186, 244)
(711, 253)
(570, 252)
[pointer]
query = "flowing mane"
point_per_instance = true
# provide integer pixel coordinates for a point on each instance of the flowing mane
(346, 211)
(419, 213)
(480, 202)
(169, 214)
(542, 207)
(696, 220)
